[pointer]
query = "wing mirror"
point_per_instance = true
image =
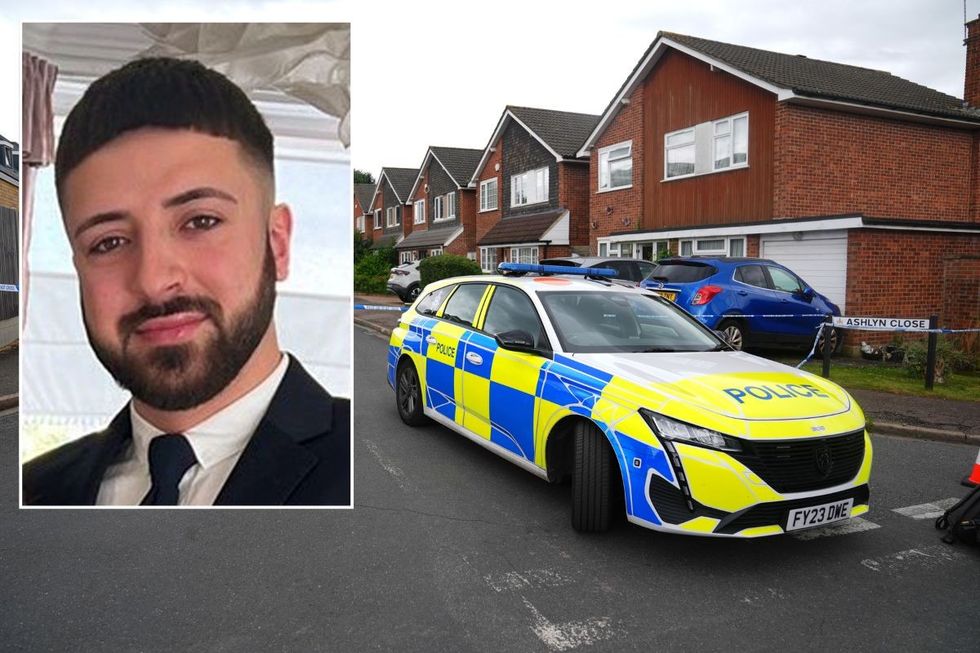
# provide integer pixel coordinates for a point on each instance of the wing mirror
(517, 340)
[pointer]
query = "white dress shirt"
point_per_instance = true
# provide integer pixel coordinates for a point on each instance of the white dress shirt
(218, 443)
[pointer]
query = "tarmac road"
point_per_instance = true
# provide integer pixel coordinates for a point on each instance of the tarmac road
(452, 548)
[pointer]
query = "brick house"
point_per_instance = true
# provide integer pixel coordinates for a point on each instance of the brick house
(363, 217)
(9, 174)
(864, 183)
(532, 193)
(391, 212)
(443, 206)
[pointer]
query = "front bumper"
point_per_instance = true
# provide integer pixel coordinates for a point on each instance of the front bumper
(695, 490)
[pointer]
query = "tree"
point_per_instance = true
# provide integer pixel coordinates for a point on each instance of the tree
(361, 177)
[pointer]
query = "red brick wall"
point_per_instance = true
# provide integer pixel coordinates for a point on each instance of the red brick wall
(467, 203)
(829, 162)
(627, 202)
(971, 81)
(752, 245)
(573, 194)
(485, 221)
(901, 274)
(457, 247)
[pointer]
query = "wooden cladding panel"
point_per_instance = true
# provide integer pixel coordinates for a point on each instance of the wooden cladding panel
(682, 92)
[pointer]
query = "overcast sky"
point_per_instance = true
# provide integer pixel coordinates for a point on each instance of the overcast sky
(428, 72)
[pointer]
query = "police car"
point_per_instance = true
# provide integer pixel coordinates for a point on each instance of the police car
(649, 412)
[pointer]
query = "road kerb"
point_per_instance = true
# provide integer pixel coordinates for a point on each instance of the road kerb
(923, 433)
(368, 324)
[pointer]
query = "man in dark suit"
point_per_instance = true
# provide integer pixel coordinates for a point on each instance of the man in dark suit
(164, 173)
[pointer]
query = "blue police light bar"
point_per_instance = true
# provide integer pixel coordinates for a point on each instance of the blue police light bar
(525, 268)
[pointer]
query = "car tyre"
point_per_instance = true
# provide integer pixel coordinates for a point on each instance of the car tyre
(413, 293)
(593, 499)
(408, 395)
(734, 331)
(835, 342)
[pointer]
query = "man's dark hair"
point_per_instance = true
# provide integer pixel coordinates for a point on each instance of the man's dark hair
(160, 92)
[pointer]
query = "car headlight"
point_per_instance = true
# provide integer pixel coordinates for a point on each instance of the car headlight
(671, 429)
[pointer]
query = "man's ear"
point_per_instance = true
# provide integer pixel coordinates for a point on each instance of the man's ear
(280, 234)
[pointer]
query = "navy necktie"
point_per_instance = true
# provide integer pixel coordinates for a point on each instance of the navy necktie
(170, 458)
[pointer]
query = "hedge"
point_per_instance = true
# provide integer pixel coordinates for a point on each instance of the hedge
(372, 271)
(444, 266)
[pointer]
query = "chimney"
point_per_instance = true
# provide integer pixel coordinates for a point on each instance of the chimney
(971, 82)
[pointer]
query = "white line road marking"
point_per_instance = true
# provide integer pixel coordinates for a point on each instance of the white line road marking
(386, 464)
(922, 557)
(927, 510)
(853, 525)
(571, 634)
(513, 580)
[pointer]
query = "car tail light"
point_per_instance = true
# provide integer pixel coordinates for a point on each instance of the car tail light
(704, 295)
(398, 272)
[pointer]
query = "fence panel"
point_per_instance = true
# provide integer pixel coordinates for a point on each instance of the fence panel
(9, 263)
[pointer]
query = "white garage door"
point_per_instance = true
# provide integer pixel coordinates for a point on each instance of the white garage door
(820, 258)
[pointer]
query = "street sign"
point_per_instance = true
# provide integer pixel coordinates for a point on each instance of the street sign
(882, 323)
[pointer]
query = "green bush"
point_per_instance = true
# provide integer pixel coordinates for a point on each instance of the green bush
(362, 246)
(444, 266)
(372, 271)
(949, 359)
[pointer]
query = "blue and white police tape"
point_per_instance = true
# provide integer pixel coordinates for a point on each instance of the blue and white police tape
(764, 315)
(8, 287)
(816, 340)
(379, 307)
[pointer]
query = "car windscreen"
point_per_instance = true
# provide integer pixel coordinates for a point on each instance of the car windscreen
(676, 272)
(597, 322)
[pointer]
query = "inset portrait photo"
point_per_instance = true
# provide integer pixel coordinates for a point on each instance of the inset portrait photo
(186, 311)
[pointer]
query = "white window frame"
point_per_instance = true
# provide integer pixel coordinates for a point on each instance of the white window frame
(391, 217)
(450, 205)
(435, 251)
(524, 181)
(668, 148)
(438, 209)
(359, 223)
(408, 256)
(486, 196)
(725, 252)
(730, 120)
(377, 218)
(516, 252)
(604, 174)
(486, 263)
(419, 215)
(709, 167)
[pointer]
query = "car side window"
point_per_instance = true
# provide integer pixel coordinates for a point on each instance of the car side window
(509, 310)
(783, 280)
(462, 306)
(430, 304)
(752, 275)
(645, 269)
(622, 268)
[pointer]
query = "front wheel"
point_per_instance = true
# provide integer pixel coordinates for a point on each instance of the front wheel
(413, 293)
(835, 341)
(734, 332)
(592, 477)
(408, 395)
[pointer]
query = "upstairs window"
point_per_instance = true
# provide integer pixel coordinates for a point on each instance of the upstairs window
(529, 187)
(450, 205)
(391, 216)
(707, 147)
(488, 195)
(616, 166)
(377, 218)
(437, 208)
(419, 215)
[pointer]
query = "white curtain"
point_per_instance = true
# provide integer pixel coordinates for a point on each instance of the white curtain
(310, 62)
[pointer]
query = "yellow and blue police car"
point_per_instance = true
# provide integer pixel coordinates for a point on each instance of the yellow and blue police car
(646, 410)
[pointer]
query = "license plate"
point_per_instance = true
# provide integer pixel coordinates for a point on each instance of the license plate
(817, 515)
(666, 294)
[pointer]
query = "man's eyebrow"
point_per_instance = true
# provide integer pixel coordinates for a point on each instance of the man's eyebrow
(196, 194)
(98, 219)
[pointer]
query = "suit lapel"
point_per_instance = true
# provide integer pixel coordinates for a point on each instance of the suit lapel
(85, 477)
(275, 461)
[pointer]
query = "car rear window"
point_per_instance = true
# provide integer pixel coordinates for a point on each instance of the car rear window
(562, 262)
(682, 272)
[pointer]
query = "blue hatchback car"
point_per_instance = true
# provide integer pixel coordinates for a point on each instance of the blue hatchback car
(723, 292)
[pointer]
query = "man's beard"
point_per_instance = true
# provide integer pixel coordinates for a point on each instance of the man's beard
(179, 377)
